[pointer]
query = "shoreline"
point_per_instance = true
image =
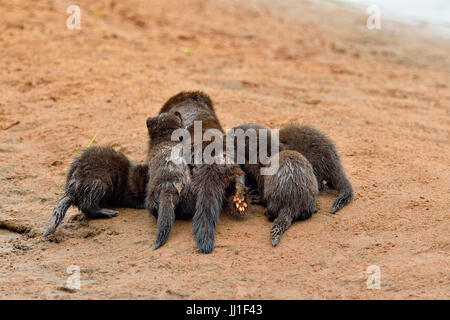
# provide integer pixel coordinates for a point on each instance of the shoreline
(425, 23)
(339, 13)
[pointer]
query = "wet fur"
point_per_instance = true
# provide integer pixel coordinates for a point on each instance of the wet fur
(318, 149)
(290, 194)
(210, 183)
(169, 183)
(323, 156)
(101, 177)
(253, 178)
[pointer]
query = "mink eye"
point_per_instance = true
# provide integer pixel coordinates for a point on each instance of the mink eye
(181, 138)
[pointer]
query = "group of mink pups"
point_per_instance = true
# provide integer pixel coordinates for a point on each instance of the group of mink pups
(173, 188)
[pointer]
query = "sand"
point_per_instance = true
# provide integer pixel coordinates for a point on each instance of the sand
(382, 95)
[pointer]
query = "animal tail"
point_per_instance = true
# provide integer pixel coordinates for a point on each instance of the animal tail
(345, 193)
(280, 225)
(166, 217)
(58, 214)
(207, 185)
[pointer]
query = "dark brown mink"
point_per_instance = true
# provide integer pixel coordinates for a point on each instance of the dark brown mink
(168, 191)
(101, 177)
(324, 158)
(211, 183)
(251, 146)
(320, 152)
(290, 193)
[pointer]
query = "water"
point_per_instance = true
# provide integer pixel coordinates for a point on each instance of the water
(434, 14)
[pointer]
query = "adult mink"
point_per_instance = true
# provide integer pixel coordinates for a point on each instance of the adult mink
(211, 183)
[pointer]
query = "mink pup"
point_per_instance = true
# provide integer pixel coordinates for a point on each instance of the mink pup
(100, 177)
(211, 183)
(168, 191)
(317, 148)
(324, 158)
(290, 193)
(251, 146)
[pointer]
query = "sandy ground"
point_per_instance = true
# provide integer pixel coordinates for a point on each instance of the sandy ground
(382, 96)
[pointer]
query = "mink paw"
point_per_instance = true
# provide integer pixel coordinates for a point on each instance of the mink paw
(239, 202)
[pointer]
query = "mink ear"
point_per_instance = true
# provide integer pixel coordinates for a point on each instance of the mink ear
(179, 116)
(151, 122)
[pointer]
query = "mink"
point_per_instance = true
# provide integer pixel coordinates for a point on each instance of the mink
(211, 183)
(290, 193)
(251, 146)
(101, 177)
(317, 148)
(168, 192)
(324, 158)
